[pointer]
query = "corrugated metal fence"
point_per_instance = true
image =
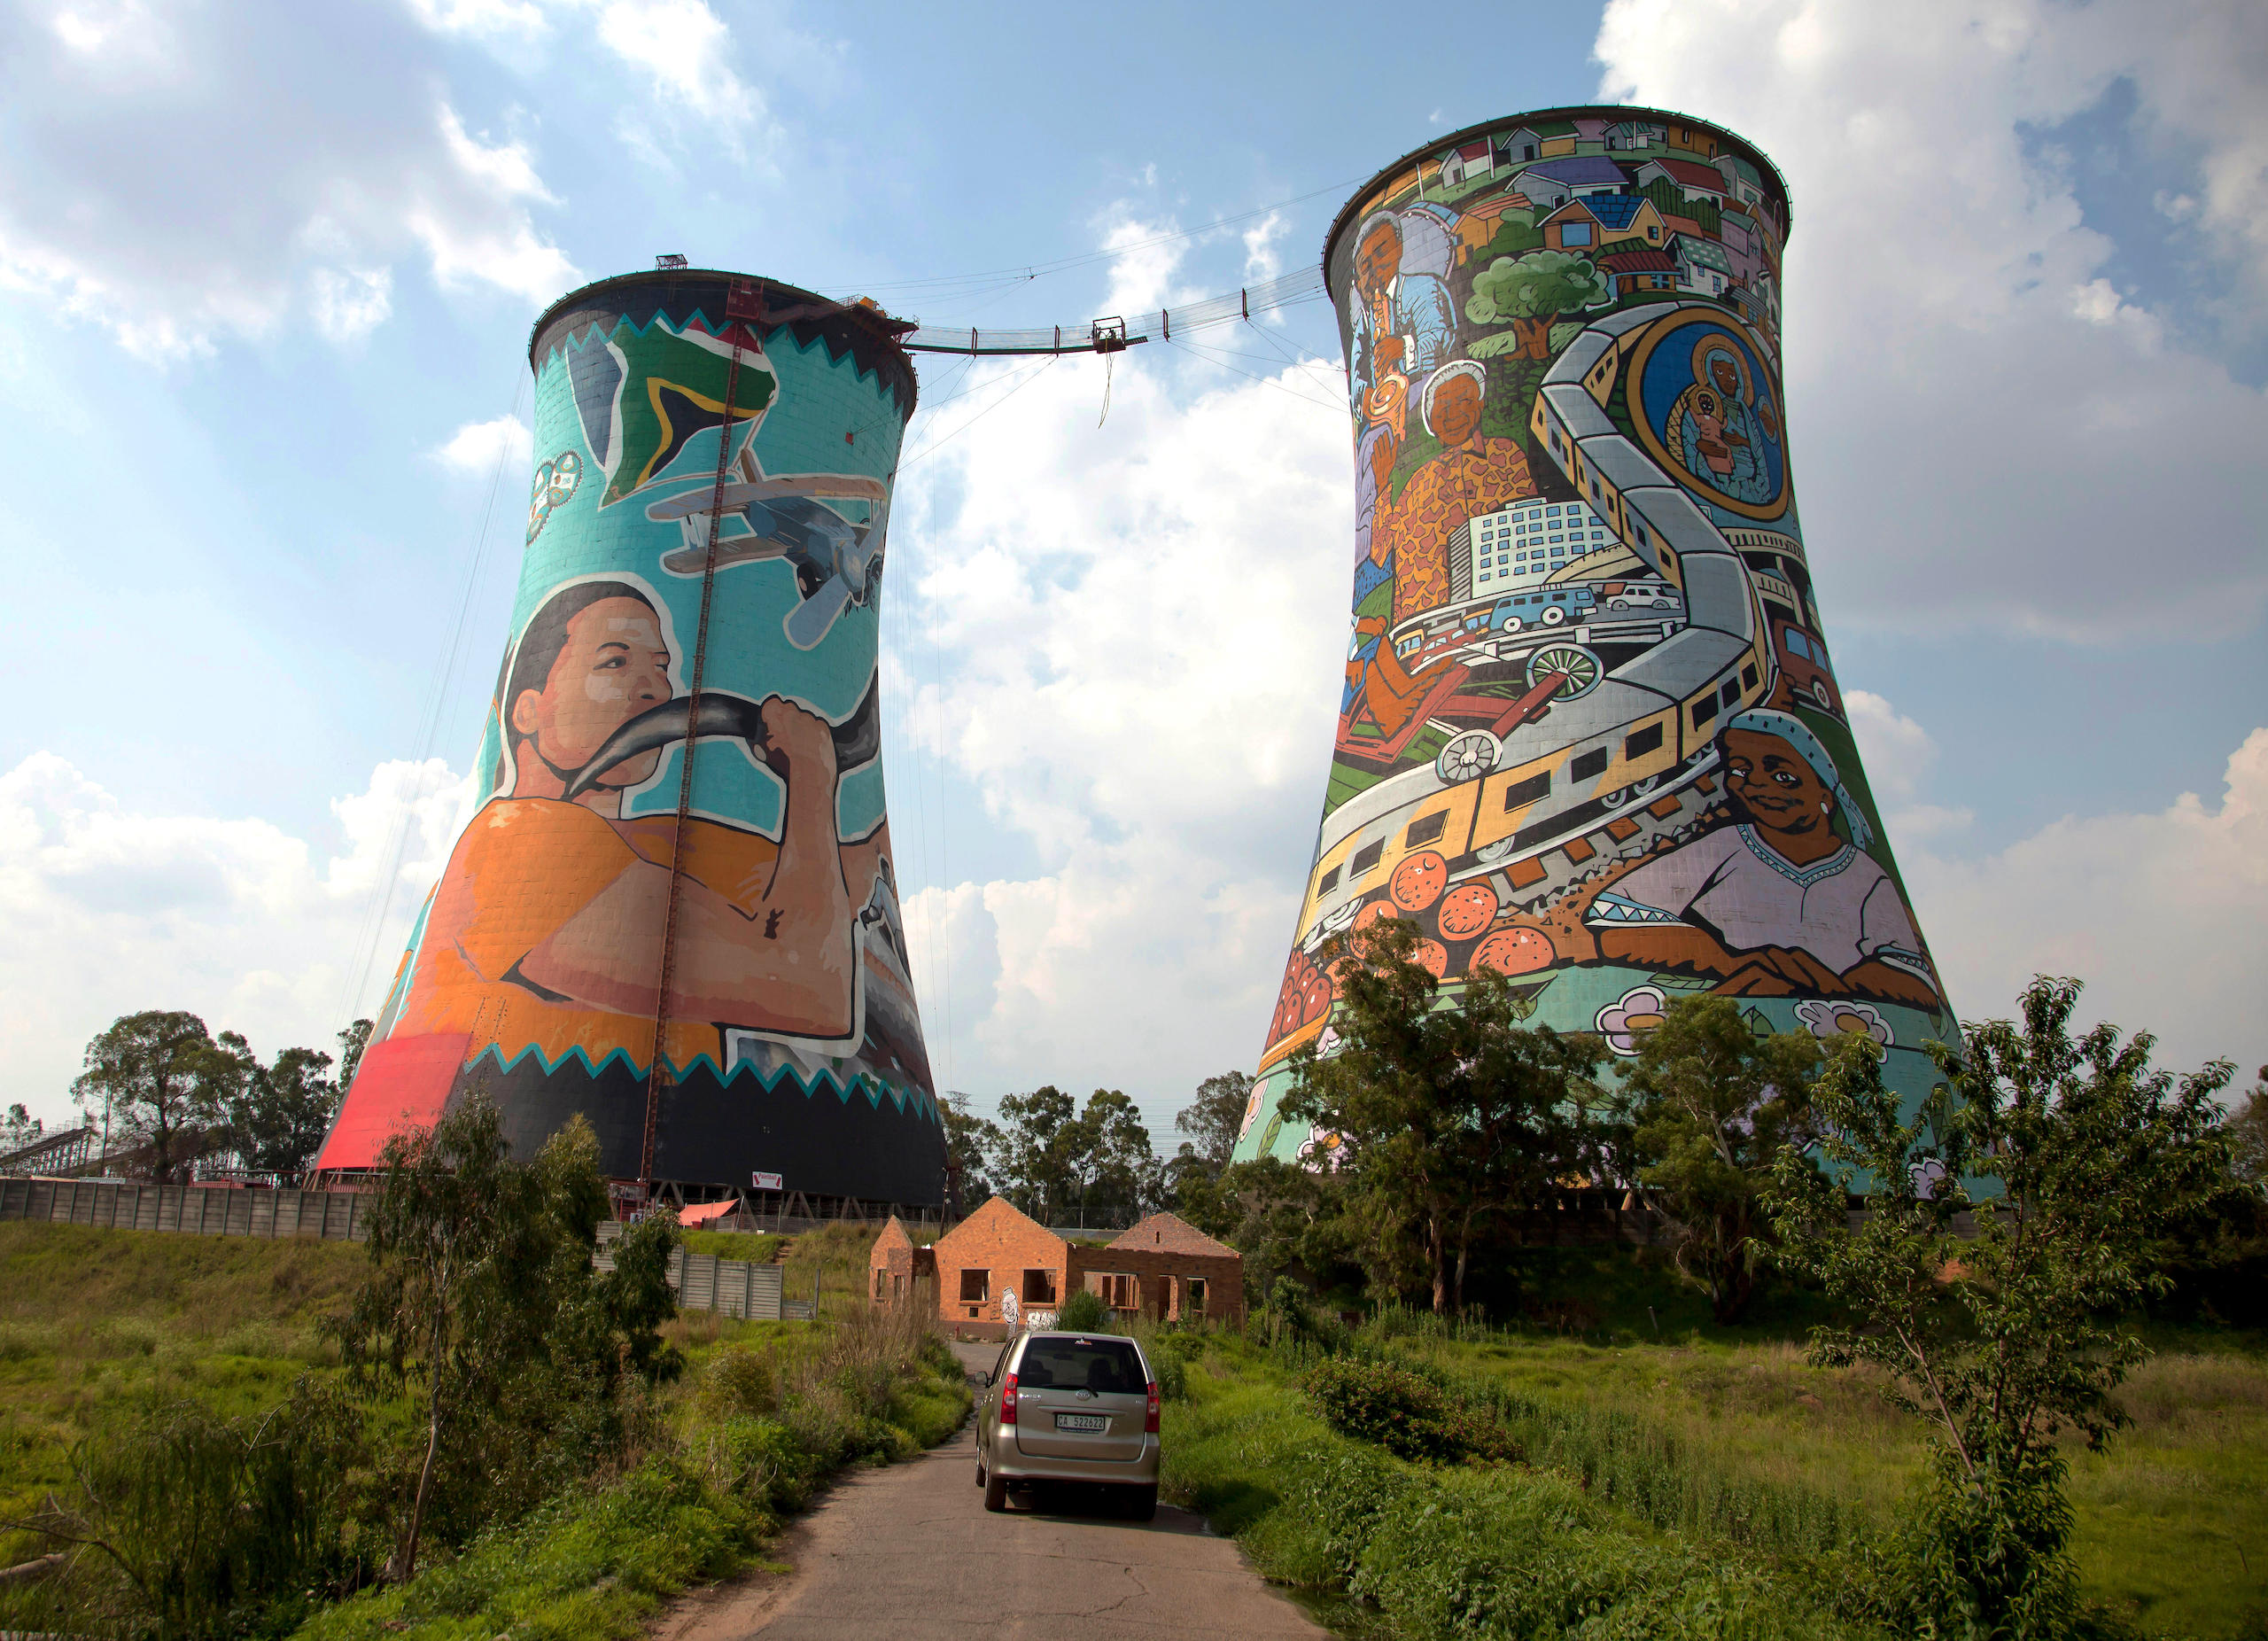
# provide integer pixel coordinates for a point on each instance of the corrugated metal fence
(738, 1288)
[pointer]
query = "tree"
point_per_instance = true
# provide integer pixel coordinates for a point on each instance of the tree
(1038, 1137)
(19, 1130)
(1710, 1104)
(278, 1114)
(352, 1042)
(1213, 1121)
(1057, 1161)
(481, 1297)
(2247, 1137)
(1446, 1114)
(972, 1145)
(157, 1081)
(1528, 292)
(2008, 1223)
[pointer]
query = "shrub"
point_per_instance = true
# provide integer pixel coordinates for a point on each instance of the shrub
(1082, 1311)
(738, 1381)
(1406, 1414)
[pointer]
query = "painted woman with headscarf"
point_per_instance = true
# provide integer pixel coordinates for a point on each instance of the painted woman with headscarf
(1781, 902)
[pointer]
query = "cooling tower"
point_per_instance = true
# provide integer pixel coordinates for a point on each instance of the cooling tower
(675, 911)
(1589, 734)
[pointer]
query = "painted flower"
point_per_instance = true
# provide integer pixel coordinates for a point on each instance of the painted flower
(1251, 1110)
(1638, 1010)
(1323, 1148)
(1828, 1018)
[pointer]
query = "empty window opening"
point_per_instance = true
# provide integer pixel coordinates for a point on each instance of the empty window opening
(975, 1287)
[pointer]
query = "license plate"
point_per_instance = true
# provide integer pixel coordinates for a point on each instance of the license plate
(1081, 1421)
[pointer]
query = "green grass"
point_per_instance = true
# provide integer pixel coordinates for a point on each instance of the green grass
(1740, 1429)
(757, 1246)
(90, 1318)
(1419, 1553)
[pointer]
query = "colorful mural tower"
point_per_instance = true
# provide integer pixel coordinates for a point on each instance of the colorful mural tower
(676, 908)
(1589, 735)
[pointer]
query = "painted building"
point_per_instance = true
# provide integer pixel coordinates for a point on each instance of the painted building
(1589, 735)
(675, 911)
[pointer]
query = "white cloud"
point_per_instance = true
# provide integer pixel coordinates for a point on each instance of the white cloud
(1989, 434)
(179, 177)
(2164, 915)
(109, 911)
(477, 447)
(510, 20)
(1144, 627)
(1261, 258)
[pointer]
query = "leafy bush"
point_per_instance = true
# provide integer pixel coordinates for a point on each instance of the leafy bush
(189, 1523)
(1406, 1414)
(1082, 1311)
(739, 1381)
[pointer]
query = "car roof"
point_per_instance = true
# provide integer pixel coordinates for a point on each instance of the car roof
(1057, 1332)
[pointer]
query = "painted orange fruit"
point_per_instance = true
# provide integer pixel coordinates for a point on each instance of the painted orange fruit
(1432, 957)
(1374, 911)
(1419, 881)
(1466, 910)
(1514, 951)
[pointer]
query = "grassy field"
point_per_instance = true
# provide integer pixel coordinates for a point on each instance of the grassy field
(1424, 1554)
(763, 1414)
(2167, 1517)
(90, 1317)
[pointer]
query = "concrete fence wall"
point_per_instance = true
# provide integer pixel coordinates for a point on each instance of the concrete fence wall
(737, 1287)
(198, 1210)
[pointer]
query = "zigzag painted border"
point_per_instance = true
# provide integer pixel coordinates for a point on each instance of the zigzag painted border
(597, 330)
(866, 1082)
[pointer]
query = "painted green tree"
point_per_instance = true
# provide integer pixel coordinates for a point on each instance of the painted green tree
(1528, 292)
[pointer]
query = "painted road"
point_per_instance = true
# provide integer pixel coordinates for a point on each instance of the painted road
(908, 1553)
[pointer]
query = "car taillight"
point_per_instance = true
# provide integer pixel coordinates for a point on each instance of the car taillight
(1149, 1413)
(1008, 1400)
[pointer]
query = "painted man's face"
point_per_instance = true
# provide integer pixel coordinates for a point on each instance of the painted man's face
(1378, 257)
(614, 667)
(1457, 410)
(1771, 780)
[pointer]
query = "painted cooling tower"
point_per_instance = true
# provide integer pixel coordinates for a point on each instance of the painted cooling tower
(675, 911)
(1589, 735)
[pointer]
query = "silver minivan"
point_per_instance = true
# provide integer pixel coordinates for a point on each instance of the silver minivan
(1070, 1407)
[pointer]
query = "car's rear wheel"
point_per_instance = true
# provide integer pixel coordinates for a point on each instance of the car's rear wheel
(996, 1492)
(1141, 1503)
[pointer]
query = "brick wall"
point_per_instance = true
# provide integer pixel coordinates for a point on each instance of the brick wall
(1160, 1280)
(1003, 1245)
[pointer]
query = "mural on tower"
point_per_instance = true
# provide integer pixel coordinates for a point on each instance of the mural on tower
(1589, 735)
(792, 1038)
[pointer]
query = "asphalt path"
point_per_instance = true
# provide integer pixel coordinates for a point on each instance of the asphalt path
(908, 1553)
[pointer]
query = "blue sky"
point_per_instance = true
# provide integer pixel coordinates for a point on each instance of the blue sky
(265, 276)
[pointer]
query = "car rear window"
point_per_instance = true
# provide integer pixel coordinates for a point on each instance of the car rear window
(1110, 1367)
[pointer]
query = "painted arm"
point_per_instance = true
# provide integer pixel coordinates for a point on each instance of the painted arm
(787, 965)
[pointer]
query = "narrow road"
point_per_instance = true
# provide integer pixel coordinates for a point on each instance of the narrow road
(908, 1554)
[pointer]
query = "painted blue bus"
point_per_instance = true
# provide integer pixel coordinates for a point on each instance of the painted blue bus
(1547, 606)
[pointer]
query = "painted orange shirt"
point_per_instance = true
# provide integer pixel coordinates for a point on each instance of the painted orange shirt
(523, 870)
(1479, 476)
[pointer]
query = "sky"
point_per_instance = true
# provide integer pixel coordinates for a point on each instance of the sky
(267, 272)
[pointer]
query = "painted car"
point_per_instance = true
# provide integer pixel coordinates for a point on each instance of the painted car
(1803, 659)
(1070, 1407)
(1547, 606)
(1621, 595)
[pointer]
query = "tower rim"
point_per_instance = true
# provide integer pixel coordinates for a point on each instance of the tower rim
(1764, 162)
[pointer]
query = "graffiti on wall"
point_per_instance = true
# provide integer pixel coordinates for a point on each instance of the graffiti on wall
(793, 1042)
(1589, 735)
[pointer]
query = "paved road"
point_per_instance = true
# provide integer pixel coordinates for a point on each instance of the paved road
(908, 1554)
